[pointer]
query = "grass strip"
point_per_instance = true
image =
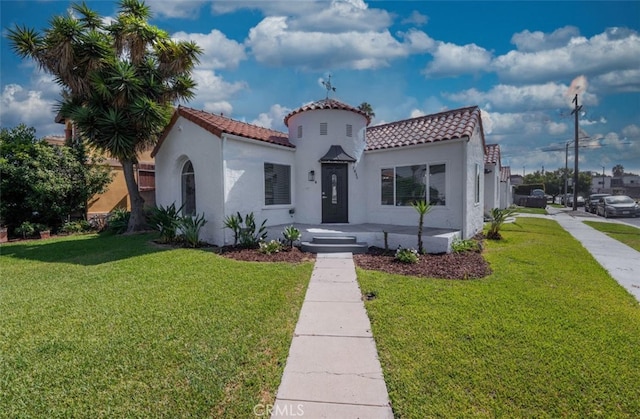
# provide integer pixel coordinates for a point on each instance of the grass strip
(548, 334)
(624, 233)
(115, 326)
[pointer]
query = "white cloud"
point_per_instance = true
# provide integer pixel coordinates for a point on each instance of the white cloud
(274, 119)
(624, 81)
(274, 43)
(188, 9)
(213, 90)
(31, 107)
(220, 52)
(527, 41)
(451, 60)
(416, 18)
(616, 49)
(342, 16)
(415, 113)
(221, 107)
(557, 128)
(519, 98)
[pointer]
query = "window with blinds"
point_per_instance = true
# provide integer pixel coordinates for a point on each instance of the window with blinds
(324, 128)
(277, 184)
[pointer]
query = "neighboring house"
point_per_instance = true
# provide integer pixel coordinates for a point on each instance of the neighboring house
(506, 191)
(517, 180)
(491, 177)
(116, 195)
(329, 169)
(626, 184)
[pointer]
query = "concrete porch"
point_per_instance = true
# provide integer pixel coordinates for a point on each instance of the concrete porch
(435, 240)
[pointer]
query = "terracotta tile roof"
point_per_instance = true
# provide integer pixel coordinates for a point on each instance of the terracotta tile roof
(492, 154)
(218, 125)
(505, 173)
(325, 104)
(442, 126)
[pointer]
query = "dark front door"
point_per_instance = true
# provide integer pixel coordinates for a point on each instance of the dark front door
(335, 193)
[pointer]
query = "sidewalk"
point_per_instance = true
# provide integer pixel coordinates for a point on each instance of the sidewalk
(333, 370)
(621, 261)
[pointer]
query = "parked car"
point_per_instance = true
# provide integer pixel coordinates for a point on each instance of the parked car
(570, 201)
(591, 204)
(618, 206)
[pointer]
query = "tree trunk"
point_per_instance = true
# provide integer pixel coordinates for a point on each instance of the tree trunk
(137, 220)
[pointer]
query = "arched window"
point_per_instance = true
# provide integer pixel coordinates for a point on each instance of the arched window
(188, 189)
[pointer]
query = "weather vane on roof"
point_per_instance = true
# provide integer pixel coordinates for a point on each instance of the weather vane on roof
(327, 85)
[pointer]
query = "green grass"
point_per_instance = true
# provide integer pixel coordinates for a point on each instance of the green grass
(117, 327)
(524, 210)
(548, 334)
(624, 233)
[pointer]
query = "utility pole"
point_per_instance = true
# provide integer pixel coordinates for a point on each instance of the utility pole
(566, 172)
(602, 178)
(576, 112)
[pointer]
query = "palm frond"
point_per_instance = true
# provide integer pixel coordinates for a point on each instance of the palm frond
(89, 18)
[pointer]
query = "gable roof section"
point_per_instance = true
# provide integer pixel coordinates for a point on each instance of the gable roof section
(218, 125)
(492, 154)
(325, 104)
(505, 173)
(449, 125)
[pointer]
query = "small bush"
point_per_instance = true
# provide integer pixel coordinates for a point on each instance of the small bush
(468, 245)
(498, 218)
(166, 221)
(75, 227)
(250, 234)
(118, 220)
(291, 234)
(190, 228)
(26, 229)
(407, 255)
(234, 223)
(273, 246)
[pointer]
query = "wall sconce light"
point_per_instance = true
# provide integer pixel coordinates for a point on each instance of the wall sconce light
(487, 171)
(312, 176)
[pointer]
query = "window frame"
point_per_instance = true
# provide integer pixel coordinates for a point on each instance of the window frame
(389, 183)
(184, 183)
(275, 194)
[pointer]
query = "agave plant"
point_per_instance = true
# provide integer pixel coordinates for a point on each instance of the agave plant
(498, 218)
(166, 220)
(291, 234)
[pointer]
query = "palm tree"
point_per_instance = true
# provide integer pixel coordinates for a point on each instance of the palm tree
(367, 109)
(618, 170)
(119, 80)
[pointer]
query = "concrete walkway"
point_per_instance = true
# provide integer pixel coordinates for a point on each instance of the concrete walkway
(333, 370)
(621, 261)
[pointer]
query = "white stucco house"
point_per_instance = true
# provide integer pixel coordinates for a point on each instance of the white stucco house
(497, 180)
(329, 173)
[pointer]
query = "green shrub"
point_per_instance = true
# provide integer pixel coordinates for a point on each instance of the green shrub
(250, 234)
(273, 246)
(26, 229)
(166, 221)
(75, 227)
(234, 222)
(190, 228)
(118, 220)
(468, 245)
(407, 255)
(498, 218)
(291, 234)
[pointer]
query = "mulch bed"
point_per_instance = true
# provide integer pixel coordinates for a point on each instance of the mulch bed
(467, 265)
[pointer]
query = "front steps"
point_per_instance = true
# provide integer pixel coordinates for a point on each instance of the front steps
(337, 244)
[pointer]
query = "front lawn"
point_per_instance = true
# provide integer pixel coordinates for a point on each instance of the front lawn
(118, 327)
(548, 334)
(624, 233)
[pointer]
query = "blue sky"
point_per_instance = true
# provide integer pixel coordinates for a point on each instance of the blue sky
(520, 62)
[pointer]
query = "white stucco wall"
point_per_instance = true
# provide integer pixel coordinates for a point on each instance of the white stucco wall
(491, 188)
(188, 141)
(312, 146)
(244, 180)
(446, 152)
(473, 155)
